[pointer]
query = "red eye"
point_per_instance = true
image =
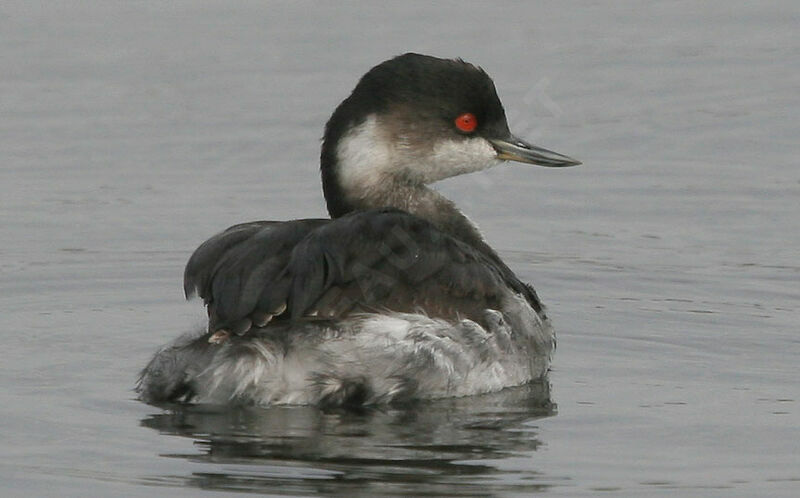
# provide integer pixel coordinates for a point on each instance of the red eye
(467, 122)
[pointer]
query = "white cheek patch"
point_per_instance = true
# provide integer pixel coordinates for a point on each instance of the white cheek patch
(365, 158)
(456, 157)
(368, 160)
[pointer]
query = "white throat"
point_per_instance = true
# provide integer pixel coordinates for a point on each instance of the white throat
(372, 157)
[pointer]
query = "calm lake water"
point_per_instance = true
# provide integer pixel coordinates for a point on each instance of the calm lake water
(670, 261)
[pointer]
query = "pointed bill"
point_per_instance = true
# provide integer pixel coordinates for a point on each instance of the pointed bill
(514, 149)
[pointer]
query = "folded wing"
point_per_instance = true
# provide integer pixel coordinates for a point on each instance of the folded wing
(326, 269)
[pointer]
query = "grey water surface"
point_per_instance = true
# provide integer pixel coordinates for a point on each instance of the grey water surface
(670, 261)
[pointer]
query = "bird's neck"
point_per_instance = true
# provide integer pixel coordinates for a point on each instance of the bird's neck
(361, 171)
(415, 199)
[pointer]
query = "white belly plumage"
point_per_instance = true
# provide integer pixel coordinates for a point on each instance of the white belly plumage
(364, 359)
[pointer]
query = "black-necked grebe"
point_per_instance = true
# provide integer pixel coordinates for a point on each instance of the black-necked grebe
(397, 296)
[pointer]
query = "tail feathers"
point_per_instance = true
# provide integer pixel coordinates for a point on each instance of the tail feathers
(169, 375)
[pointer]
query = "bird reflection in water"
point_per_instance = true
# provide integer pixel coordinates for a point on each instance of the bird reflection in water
(440, 447)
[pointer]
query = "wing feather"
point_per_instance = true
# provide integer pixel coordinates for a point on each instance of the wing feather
(324, 269)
